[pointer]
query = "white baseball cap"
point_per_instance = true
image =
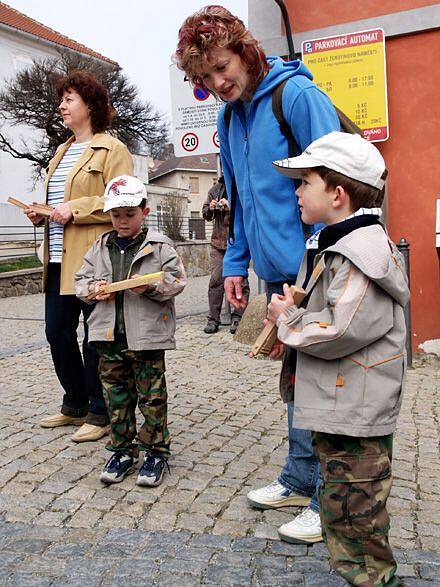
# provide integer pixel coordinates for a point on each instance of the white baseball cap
(124, 190)
(343, 152)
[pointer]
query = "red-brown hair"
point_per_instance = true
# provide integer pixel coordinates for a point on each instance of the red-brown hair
(213, 27)
(93, 93)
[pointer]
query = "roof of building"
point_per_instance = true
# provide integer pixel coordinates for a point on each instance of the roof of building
(19, 21)
(191, 163)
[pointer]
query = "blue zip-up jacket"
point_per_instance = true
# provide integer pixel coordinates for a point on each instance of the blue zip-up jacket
(267, 222)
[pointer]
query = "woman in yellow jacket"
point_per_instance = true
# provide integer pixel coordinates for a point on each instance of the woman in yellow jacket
(75, 183)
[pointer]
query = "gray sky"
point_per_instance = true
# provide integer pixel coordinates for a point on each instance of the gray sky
(140, 35)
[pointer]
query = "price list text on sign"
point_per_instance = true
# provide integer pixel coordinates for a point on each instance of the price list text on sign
(351, 69)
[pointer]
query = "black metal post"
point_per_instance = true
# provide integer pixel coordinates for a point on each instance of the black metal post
(287, 27)
(403, 246)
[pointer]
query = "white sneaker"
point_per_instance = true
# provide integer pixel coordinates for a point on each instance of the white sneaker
(275, 495)
(306, 527)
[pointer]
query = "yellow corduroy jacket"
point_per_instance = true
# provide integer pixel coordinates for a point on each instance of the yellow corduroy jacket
(105, 158)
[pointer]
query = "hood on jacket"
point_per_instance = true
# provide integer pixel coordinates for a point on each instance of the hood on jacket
(373, 253)
(278, 72)
(151, 235)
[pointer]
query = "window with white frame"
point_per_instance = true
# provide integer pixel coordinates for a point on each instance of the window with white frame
(159, 216)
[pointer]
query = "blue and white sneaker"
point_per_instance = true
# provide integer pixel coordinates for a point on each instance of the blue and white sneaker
(117, 467)
(275, 496)
(152, 470)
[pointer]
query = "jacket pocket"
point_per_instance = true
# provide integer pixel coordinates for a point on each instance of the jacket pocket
(383, 387)
(356, 488)
(315, 383)
(93, 166)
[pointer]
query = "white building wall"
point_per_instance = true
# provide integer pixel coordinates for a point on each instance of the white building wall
(17, 50)
(181, 179)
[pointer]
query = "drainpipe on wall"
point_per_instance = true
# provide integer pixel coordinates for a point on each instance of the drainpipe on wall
(403, 246)
(286, 21)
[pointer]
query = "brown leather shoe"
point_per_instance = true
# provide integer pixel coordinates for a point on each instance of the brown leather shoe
(61, 420)
(90, 432)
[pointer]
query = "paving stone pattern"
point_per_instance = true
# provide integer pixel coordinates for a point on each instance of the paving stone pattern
(61, 526)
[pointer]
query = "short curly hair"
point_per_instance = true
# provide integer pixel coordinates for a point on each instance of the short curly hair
(215, 27)
(94, 94)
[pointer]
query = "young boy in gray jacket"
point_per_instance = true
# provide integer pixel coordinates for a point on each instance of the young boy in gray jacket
(346, 348)
(132, 329)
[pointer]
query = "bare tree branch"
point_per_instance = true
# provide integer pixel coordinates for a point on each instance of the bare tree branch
(30, 99)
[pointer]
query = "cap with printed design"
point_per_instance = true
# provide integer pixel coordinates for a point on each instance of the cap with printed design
(124, 191)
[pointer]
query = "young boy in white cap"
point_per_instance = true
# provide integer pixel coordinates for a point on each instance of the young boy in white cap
(346, 348)
(132, 329)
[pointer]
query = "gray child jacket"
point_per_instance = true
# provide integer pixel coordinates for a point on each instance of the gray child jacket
(149, 318)
(350, 338)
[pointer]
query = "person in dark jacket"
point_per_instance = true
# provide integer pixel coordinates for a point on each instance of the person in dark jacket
(216, 210)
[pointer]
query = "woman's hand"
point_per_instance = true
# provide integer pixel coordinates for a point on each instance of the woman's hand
(101, 297)
(61, 214)
(140, 289)
(33, 216)
(279, 304)
(224, 203)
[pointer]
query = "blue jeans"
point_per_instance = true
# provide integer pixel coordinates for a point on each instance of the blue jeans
(78, 375)
(301, 472)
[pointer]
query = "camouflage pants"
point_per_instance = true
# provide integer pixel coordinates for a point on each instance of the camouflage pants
(131, 378)
(352, 499)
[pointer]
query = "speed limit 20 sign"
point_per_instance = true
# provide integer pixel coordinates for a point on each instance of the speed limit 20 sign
(195, 114)
(189, 142)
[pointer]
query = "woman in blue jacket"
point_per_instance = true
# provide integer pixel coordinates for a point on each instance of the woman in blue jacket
(216, 51)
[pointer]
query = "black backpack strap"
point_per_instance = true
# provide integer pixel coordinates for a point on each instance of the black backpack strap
(232, 206)
(227, 115)
(233, 195)
(293, 147)
(277, 109)
(347, 125)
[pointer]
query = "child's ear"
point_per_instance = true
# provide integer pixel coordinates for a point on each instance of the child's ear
(340, 197)
(145, 212)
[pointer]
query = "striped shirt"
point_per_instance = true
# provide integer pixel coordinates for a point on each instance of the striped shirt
(312, 242)
(55, 196)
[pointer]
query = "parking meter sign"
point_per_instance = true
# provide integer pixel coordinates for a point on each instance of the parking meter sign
(351, 69)
(194, 115)
(190, 142)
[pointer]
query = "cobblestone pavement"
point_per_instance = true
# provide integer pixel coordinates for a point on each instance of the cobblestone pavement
(61, 526)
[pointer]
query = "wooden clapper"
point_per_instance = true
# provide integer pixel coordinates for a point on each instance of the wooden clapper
(255, 313)
(42, 209)
(146, 279)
